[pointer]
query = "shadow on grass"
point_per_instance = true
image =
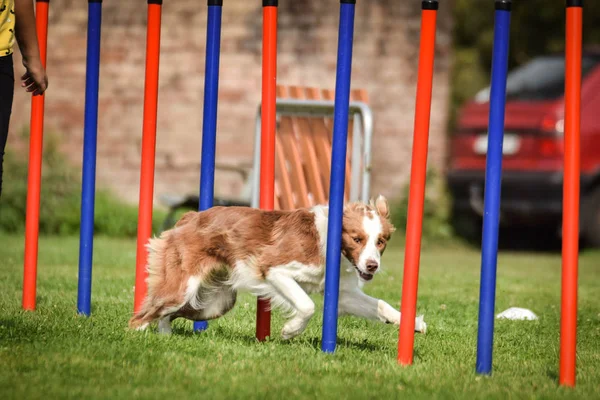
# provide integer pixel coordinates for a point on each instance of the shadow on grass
(8, 323)
(186, 331)
(240, 337)
(551, 373)
(18, 330)
(363, 345)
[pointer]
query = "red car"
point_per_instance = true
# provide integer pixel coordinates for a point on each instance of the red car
(532, 166)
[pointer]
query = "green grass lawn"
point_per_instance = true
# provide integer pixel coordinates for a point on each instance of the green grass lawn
(53, 353)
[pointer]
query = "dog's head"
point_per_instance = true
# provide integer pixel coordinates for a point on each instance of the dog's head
(366, 230)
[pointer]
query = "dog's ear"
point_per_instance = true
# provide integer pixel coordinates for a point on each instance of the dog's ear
(381, 205)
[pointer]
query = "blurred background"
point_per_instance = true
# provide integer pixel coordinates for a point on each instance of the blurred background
(384, 64)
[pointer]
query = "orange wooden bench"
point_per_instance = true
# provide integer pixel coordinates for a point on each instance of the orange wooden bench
(303, 151)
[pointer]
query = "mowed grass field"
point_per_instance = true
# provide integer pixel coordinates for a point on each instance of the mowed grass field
(53, 353)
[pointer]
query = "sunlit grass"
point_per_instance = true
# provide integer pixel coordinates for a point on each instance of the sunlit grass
(53, 353)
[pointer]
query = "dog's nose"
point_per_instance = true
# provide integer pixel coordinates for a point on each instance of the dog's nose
(372, 266)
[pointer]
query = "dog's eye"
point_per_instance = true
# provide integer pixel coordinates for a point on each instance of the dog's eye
(357, 240)
(380, 242)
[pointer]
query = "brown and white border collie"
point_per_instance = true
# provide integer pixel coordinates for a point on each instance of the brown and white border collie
(196, 269)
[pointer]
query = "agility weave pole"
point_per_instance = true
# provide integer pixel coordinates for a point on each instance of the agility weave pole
(338, 174)
(34, 176)
(267, 141)
(209, 121)
(493, 177)
(90, 136)
(570, 241)
(148, 148)
(416, 198)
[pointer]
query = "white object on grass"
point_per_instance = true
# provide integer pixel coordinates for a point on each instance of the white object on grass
(516, 313)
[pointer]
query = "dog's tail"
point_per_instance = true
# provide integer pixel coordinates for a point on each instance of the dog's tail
(148, 313)
(155, 268)
(151, 306)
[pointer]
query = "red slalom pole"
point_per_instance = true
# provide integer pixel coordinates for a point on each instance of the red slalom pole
(267, 141)
(570, 245)
(417, 183)
(148, 148)
(34, 177)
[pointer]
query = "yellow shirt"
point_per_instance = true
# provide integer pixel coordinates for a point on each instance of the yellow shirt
(7, 26)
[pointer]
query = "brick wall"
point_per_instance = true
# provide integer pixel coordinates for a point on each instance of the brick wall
(384, 63)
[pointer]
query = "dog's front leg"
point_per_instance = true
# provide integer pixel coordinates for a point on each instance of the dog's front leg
(357, 303)
(303, 306)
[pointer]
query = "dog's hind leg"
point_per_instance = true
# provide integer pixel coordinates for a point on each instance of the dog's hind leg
(152, 310)
(210, 303)
(219, 302)
(303, 306)
(207, 298)
(145, 316)
(164, 325)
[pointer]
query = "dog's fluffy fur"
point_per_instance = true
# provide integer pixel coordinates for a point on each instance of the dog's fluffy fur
(196, 269)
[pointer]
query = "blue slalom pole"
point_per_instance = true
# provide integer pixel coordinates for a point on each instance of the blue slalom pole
(338, 174)
(209, 123)
(493, 177)
(90, 135)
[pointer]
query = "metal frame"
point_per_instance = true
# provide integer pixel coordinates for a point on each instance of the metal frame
(363, 118)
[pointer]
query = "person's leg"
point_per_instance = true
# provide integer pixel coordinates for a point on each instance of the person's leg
(7, 85)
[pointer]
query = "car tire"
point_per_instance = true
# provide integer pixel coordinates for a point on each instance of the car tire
(590, 218)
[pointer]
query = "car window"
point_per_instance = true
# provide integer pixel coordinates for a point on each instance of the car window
(543, 78)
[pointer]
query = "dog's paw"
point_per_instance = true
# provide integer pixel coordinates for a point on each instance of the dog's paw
(142, 327)
(293, 328)
(288, 333)
(387, 313)
(420, 325)
(164, 326)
